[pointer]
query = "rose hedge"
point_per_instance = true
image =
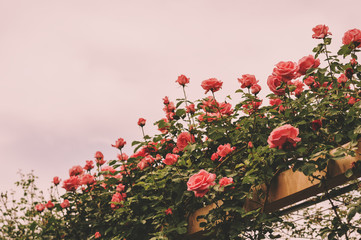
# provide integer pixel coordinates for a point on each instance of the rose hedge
(209, 150)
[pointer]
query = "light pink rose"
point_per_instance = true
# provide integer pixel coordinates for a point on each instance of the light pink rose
(76, 170)
(65, 203)
(39, 207)
(141, 122)
(170, 159)
(306, 63)
(212, 84)
(224, 150)
(119, 143)
(99, 158)
(255, 89)
(320, 31)
(274, 82)
(247, 80)
(282, 136)
(122, 157)
(87, 179)
(89, 165)
(183, 139)
(286, 70)
(56, 181)
(200, 182)
(342, 78)
(353, 35)
(182, 80)
(225, 181)
(71, 184)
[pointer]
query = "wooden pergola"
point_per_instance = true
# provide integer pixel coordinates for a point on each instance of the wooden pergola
(289, 188)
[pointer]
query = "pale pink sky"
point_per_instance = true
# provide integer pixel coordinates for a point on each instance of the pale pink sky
(76, 75)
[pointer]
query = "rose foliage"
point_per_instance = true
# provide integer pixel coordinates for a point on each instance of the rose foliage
(208, 151)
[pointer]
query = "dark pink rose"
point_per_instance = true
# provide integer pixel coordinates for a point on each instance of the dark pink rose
(182, 80)
(286, 70)
(225, 181)
(353, 62)
(76, 170)
(274, 82)
(168, 211)
(65, 203)
(39, 207)
(316, 124)
(200, 182)
(320, 31)
(119, 143)
(306, 63)
(97, 235)
(247, 80)
(56, 181)
(214, 156)
(275, 101)
(71, 184)
(49, 205)
(352, 36)
(170, 159)
(342, 78)
(141, 122)
(250, 144)
(183, 139)
(212, 84)
(255, 89)
(283, 136)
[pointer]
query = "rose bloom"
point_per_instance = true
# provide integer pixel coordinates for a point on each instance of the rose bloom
(200, 182)
(56, 181)
(224, 150)
(76, 170)
(226, 108)
(214, 156)
(306, 63)
(316, 124)
(119, 143)
(141, 122)
(274, 82)
(282, 136)
(49, 205)
(142, 164)
(225, 181)
(320, 31)
(170, 159)
(39, 207)
(87, 179)
(191, 108)
(209, 117)
(122, 157)
(117, 198)
(65, 203)
(352, 36)
(299, 87)
(286, 70)
(353, 62)
(97, 235)
(183, 139)
(182, 80)
(255, 89)
(275, 101)
(247, 80)
(89, 165)
(165, 127)
(250, 144)
(309, 81)
(212, 84)
(71, 184)
(168, 211)
(342, 78)
(120, 188)
(99, 158)
(165, 100)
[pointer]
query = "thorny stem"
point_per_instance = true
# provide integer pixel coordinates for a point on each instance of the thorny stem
(328, 60)
(186, 102)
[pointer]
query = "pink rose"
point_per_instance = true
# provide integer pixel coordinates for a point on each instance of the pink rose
(299, 87)
(97, 235)
(320, 31)
(224, 150)
(225, 181)
(56, 181)
(182, 80)
(200, 182)
(183, 139)
(168, 211)
(286, 70)
(142, 164)
(119, 143)
(255, 89)
(282, 136)
(76, 170)
(65, 203)
(247, 80)
(165, 100)
(170, 159)
(87, 179)
(309, 81)
(89, 165)
(353, 62)
(39, 207)
(122, 157)
(191, 108)
(275, 101)
(250, 144)
(214, 156)
(117, 198)
(226, 108)
(212, 84)
(274, 82)
(342, 78)
(49, 205)
(120, 188)
(352, 36)
(306, 63)
(99, 158)
(141, 122)
(71, 184)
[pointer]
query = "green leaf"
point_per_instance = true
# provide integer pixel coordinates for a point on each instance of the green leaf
(348, 173)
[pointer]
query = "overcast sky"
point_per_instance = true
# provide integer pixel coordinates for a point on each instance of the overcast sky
(76, 75)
